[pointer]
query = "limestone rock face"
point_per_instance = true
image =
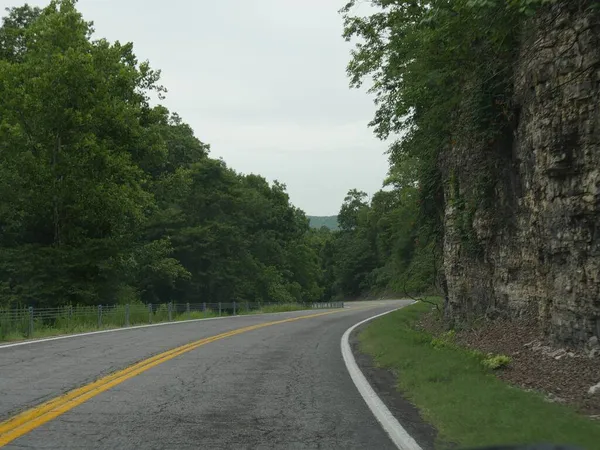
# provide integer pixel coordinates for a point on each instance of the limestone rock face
(537, 247)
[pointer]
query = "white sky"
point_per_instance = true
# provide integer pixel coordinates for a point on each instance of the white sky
(263, 82)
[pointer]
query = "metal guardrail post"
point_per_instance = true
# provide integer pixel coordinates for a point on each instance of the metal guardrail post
(30, 321)
(187, 307)
(170, 308)
(204, 309)
(127, 315)
(99, 316)
(149, 312)
(234, 308)
(219, 309)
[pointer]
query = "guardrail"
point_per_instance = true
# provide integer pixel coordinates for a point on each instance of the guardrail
(30, 322)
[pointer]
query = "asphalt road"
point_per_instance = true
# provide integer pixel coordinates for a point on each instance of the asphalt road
(280, 387)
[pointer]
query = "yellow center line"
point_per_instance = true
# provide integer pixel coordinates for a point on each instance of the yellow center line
(30, 419)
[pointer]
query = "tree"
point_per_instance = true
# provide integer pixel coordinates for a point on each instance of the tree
(354, 204)
(12, 32)
(72, 196)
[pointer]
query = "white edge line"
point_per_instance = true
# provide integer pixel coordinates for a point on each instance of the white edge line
(390, 424)
(137, 327)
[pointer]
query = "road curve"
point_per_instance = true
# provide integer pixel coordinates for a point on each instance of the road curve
(279, 386)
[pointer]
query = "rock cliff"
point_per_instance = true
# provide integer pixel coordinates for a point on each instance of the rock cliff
(522, 215)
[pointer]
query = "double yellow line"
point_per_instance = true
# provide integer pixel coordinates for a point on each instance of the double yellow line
(29, 420)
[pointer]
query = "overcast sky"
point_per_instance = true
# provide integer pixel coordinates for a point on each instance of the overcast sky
(263, 82)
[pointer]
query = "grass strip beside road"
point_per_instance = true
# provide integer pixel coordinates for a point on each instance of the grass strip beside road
(467, 403)
(30, 419)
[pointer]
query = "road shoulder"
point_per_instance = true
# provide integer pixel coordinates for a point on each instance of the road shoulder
(458, 391)
(383, 381)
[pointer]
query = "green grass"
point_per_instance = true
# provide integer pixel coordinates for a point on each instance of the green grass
(460, 397)
(85, 318)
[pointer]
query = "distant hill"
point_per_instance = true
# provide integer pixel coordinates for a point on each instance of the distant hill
(330, 222)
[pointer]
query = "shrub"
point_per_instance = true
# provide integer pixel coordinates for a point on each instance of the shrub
(496, 362)
(444, 340)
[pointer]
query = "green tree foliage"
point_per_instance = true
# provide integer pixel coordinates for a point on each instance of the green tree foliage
(378, 247)
(105, 198)
(12, 33)
(429, 60)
